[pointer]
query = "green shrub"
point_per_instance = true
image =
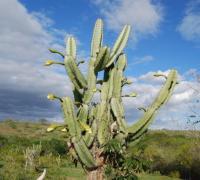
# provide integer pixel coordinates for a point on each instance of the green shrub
(11, 123)
(54, 146)
(3, 141)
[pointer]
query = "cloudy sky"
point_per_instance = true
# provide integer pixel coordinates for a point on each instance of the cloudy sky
(165, 35)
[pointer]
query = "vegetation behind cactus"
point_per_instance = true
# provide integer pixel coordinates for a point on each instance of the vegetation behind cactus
(166, 152)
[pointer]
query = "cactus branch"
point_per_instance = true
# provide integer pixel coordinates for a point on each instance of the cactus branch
(141, 125)
(56, 52)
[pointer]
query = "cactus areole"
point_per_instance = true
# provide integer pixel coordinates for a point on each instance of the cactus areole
(92, 125)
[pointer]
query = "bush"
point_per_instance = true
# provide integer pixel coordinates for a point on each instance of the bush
(11, 123)
(31, 155)
(3, 141)
(54, 146)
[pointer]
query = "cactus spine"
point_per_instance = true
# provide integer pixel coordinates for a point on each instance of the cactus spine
(92, 125)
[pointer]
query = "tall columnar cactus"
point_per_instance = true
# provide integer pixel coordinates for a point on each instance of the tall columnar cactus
(92, 125)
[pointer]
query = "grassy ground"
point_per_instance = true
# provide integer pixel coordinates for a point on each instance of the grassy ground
(15, 138)
(170, 153)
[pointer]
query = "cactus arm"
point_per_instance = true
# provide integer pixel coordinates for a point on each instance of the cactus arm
(105, 59)
(117, 82)
(115, 92)
(119, 44)
(119, 114)
(75, 132)
(111, 83)
(83, 113)
(71, 47)
(71, 67)
(89, 138)
(148, 116)
(83, 152)
(167, 89)
(105, 86)
(91, 83)
(103, 114)
(118, 76)
(103, 134)
(77, 73)
(77, 96)
(141, 125)
(102, 109)
(72, 77)
(70, 118)
(56, 52)
(74, 73)
(102, 59)
(92, 113)
(137, 139)
(97, 38)
(71, 74)
(95, 48)
(121, 40)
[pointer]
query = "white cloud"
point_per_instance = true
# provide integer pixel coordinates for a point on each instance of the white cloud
(144, 16)
(24, 82)
(174, 114)
(142, 60)
(189, 27)
(184, 96)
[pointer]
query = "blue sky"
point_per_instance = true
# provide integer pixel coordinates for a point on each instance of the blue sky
(165, 35)
(168, 47)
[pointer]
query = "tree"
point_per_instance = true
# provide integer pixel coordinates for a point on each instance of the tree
(98, 129)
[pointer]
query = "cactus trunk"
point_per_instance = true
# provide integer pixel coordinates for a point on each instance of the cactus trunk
(92, 126)
(97, 174)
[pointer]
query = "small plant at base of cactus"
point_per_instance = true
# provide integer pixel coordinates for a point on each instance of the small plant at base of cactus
(97, 130)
